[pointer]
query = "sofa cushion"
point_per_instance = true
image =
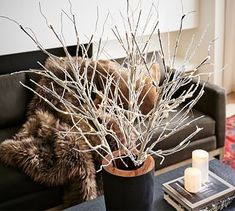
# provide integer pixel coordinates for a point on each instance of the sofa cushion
(15, 184)
(41, 200)
(207, 144)
(13, 99)
(206, 122)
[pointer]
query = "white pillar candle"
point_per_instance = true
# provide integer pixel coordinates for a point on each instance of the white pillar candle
(192, 180)
(200, 160)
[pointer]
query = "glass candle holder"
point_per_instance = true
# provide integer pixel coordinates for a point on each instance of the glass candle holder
(200, 160)
(192, 180)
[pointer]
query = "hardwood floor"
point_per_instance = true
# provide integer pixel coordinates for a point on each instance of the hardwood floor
(231, 98)
(230, 107)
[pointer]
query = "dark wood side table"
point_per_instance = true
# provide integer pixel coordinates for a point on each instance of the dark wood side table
(160, 204)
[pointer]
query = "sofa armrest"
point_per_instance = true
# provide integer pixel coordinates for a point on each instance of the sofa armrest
(13, 100)
(212, 103)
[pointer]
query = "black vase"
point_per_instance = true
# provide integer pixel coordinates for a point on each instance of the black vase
(129, 189)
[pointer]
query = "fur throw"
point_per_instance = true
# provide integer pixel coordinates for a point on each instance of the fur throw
(46, 155)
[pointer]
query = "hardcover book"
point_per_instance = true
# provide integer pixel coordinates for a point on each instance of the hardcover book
(214, 195)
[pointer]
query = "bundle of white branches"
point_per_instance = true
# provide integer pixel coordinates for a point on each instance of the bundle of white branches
(137, 128)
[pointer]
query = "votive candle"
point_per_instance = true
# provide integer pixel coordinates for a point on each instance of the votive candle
(192, 180)
(200, 160)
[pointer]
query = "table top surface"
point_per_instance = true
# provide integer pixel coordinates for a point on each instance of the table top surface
(223, 171)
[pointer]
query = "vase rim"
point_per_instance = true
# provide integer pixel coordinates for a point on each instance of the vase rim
(147, 166)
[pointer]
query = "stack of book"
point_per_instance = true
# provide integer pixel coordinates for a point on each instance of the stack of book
(216, 194)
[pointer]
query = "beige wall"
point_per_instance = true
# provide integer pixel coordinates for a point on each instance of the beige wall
(26, 12)
(229, 55)
(211, 24)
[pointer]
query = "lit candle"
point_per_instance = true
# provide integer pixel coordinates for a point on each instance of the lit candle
(200, 160)
(192, 180)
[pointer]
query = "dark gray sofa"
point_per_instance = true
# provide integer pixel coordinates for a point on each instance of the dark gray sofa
(18, 191)
(212, 107)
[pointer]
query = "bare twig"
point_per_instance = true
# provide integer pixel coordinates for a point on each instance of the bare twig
(122, 90)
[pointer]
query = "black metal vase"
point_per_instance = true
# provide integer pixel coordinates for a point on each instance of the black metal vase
(129, 189)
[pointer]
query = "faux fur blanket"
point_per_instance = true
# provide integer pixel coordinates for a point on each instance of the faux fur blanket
(46, 155)
(43, 153)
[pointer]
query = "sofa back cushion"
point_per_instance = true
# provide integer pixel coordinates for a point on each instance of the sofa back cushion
(13, 99)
